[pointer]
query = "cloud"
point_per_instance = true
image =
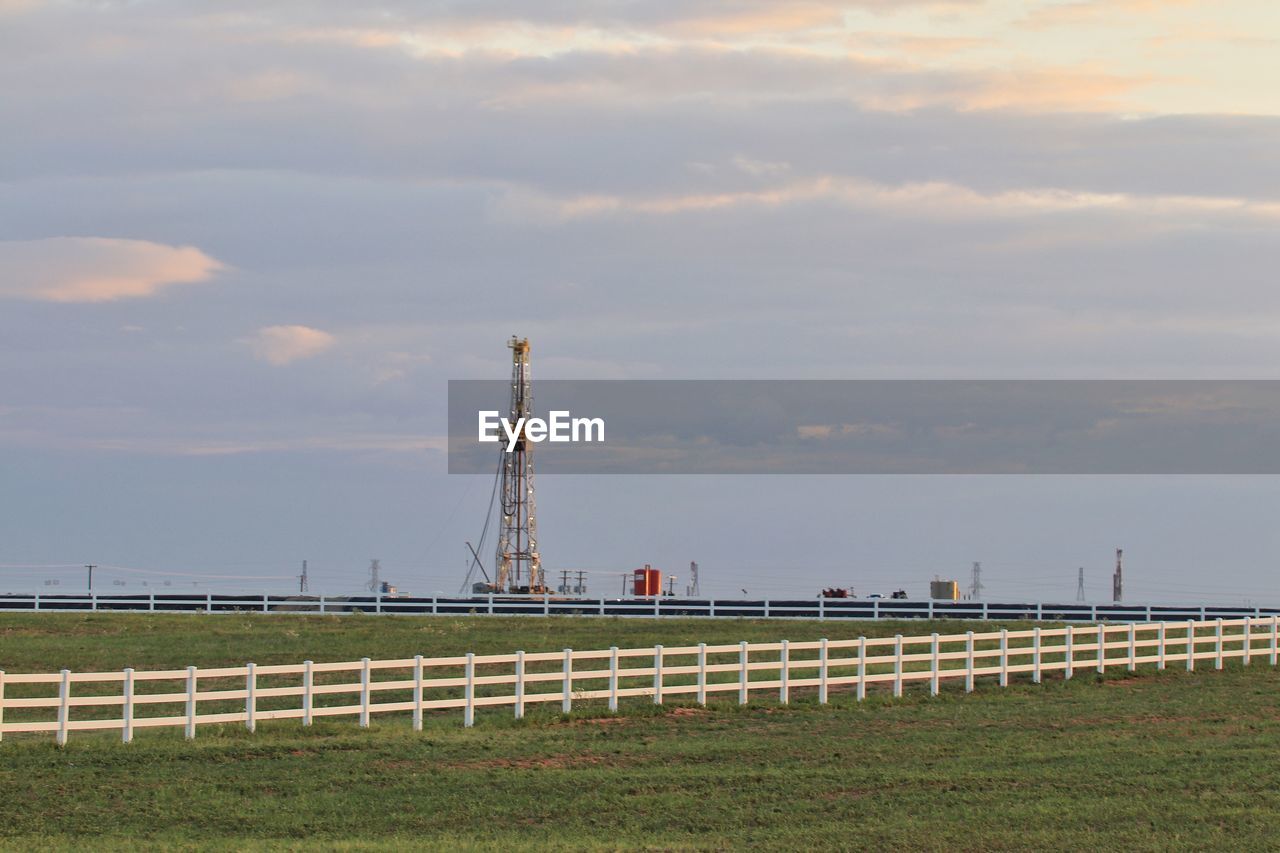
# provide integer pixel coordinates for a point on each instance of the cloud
(280, 345)
(97, 269)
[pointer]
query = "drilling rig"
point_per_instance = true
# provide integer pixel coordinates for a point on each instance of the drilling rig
(518, 565)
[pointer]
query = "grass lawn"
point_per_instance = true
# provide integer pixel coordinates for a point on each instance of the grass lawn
(1175, 760)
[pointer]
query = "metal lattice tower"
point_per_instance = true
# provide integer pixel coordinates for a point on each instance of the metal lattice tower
(519, 565)
(375, 576)
(975, 584)
(1080, 585)
(693, 590)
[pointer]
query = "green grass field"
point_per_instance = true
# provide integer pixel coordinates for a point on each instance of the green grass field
(1155, 761)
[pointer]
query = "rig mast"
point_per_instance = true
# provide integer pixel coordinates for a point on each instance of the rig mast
(519, 565)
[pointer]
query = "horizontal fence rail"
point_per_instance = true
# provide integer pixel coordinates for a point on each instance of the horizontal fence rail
(658, 606)
(128, 700)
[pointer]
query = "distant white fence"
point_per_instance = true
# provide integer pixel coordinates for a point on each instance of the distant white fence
(416, 685)
(654, 606)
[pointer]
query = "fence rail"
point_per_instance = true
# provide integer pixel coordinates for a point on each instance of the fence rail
(66, 702)
(659, 606)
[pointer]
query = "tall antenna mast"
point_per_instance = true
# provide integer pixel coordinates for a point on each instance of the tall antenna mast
(975, 584)
(302, 578)
(375, 581)
(519, 565)
(1080, 585)
(1117, 580)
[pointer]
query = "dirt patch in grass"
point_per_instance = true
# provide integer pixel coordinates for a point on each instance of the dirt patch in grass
(562, 761)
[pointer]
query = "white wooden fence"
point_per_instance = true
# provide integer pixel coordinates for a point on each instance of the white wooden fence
(467, 682)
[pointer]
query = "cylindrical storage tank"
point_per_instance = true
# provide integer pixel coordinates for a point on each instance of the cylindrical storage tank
(648, 581)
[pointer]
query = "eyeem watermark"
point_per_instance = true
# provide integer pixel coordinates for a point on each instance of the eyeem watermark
(560, 426)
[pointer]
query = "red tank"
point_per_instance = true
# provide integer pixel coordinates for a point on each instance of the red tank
(648, 581)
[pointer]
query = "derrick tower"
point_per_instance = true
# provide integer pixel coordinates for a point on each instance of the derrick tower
(519, 565)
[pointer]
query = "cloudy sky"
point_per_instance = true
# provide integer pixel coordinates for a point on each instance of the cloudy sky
(243, 250)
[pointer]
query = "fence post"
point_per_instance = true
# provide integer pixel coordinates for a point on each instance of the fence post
(264, 601)
(875, 609)
(308, 682)
(546, 604)
(566, 700)
(417, 693)
(1039, 612)
(364, 693)
(1102, 648)
(822, 671)
(1, 704)
(1248, 639)
(1069, 655)
(1191, 645)
(742, 673)
(520, 685)
(250, 698)
(657, 674)
(208, 603)
(934, 664)
(862, 668)
(1004, 657)
(126, 733)
(1035, 654)
(491, 603)
(64, 698)
(702, 673)
(613, 678)
(93, 601)
(984, 610)
(784, 673)
(968, 661)
(1217, 632)
(469, 696)
(1133, 647)
(1275, 636)
(822, 608)
(897, 665)
(190, 732)
(1160, 649)
(601, 613)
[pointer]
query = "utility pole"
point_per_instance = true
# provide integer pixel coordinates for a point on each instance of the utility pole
(975, 583)
(1117, 580)
(302, 578)
(90, 568)
(1080, 585)
(582, 582)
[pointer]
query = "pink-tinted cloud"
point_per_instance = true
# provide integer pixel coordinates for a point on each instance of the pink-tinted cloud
(280, 345)
(97, 269)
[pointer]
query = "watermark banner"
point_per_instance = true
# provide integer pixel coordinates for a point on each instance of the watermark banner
(872, 427)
